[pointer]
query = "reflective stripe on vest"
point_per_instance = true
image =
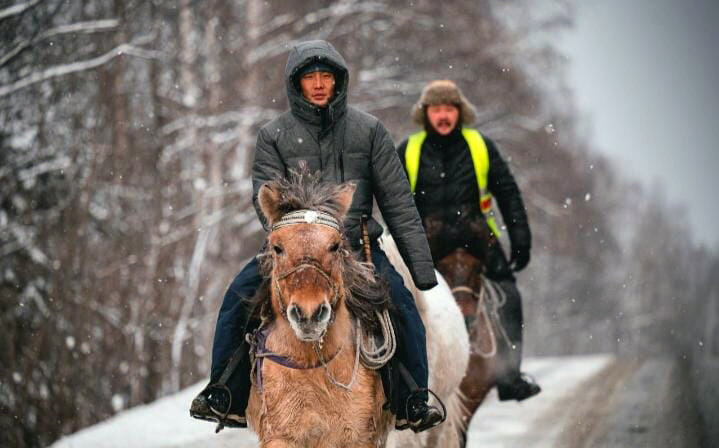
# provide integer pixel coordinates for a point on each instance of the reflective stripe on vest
(480, 159)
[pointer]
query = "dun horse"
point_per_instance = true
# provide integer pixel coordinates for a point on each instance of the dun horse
(309, 387)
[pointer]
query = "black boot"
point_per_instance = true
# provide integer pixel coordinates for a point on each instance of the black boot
(511, 383)
(213, 404)
(422, 416)
(519, 388)
(418, 415)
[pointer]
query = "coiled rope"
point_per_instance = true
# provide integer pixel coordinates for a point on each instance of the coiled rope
(372, 356)
(375, 356)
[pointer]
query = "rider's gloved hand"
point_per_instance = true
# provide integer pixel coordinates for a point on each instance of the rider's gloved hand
(520, 258)
(425, 278)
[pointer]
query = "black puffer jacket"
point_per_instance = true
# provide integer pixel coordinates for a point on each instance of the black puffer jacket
(345, 145)
(447, 193)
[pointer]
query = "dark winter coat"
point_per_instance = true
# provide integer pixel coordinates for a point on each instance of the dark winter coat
(345, 144)
(447, 193)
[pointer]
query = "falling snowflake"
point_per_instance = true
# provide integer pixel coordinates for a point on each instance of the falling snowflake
(118, 402)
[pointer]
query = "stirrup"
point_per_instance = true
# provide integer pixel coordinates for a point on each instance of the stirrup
(222, 423)
(403, 424)
(201, 409)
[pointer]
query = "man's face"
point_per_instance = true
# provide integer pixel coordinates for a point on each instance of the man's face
(443, 117)
(318, 87)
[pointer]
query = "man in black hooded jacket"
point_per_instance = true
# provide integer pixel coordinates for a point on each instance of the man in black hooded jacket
(456, 173)
(343, 144)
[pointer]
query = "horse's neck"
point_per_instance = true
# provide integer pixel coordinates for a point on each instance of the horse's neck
(282, 340)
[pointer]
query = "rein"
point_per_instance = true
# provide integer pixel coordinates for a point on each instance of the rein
(490, 299)
(258, 341)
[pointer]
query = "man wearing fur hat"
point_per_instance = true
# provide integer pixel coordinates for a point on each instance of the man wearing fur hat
(455, 173)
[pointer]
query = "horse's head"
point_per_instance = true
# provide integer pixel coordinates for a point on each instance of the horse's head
(460, 268)
(306, 251)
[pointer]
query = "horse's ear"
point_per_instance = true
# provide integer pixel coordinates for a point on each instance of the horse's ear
(344, 197)
(269, 200)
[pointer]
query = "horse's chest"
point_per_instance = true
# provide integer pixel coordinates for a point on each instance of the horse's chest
(307, 408)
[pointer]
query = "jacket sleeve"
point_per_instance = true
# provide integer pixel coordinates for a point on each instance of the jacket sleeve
(504, 188)
(267, 166)
(401, 150)
(391, 189)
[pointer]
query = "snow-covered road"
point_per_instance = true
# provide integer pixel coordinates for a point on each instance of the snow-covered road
(586, 401)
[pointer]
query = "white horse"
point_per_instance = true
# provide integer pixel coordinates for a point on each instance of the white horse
(447, 355)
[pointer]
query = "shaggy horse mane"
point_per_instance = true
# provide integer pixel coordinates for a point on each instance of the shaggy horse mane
(365, 291)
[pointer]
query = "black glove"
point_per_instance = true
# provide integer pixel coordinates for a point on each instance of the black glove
(426, 286)
(423, 276)
(520, 258)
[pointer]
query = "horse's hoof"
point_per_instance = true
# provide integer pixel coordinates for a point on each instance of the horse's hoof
(521, 388)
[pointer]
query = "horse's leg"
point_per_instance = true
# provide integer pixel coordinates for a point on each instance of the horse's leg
(475, 386)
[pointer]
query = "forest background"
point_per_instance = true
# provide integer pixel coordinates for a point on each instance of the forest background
(127, 133)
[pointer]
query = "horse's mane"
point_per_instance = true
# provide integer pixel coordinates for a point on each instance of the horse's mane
(365, 292)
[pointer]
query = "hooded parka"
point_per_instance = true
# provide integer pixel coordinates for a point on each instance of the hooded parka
(344, 144)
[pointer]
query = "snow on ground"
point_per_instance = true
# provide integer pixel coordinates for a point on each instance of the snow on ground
(506, 424)
(166, 423)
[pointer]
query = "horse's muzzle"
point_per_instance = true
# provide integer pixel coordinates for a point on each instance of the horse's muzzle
(309, 325)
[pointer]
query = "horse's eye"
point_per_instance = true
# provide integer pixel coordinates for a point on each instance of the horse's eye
(335, 247)
(278, 249)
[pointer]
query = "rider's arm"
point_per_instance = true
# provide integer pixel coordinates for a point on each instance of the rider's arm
(506, 193)
(267, 166)
(391, 189)
(401, 149)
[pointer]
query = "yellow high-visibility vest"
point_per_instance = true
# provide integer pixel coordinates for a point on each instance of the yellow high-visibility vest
(480, 159)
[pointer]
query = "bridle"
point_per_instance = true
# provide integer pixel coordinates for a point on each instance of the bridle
(259, 350)
(306, 217)
(371, 355)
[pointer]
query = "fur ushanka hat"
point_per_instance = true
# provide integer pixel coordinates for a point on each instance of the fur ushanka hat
(443, 91)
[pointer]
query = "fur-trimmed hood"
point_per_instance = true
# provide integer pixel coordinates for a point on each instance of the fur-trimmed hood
(443, 91)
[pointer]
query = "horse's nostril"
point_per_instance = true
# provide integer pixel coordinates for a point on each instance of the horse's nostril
(295, 313)
(322, 313)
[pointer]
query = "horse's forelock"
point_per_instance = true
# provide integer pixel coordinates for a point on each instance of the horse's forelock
(304, 191)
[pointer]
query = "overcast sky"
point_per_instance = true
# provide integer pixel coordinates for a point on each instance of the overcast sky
(646, 74)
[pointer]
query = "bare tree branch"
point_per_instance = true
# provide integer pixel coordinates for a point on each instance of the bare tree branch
(93, 26)
(66, 69)
(17, 9)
